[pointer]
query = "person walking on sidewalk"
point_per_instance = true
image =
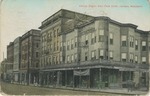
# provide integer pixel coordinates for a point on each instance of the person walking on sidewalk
(130, 85)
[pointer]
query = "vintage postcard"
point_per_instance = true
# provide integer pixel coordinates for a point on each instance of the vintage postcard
(75, 47)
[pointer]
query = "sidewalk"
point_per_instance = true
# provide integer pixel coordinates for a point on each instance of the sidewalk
(2, 93)
(108, 90)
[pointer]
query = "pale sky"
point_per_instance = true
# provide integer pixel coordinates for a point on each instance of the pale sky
(19, 16)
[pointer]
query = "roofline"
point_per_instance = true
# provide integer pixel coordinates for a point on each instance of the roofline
(27, 33)
(97, 18)
(116, 22)
(58, 12)
(64, 10)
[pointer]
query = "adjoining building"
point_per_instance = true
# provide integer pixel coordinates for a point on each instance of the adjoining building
(10, 61)
(17, 62)
(82, 51)
(29, 66)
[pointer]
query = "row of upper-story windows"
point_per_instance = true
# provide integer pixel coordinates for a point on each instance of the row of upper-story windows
(50, 35)
(70, 44)
(102, 55)
(124, 42)
(133, 58)
(59, 59)
(72, 58)
(111, 40)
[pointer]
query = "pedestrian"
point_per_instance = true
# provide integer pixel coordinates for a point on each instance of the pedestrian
(129, 85)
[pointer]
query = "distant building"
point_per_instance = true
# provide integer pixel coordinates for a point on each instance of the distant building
(29, 65)
(82, 51)
(10, 61)
(3, 69)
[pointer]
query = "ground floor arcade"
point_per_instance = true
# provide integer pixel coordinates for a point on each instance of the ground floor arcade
(31, 77)
(96, 78)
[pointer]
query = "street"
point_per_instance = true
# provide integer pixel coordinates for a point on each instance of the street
(16, 89)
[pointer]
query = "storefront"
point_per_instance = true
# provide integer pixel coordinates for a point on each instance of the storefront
(82, 78)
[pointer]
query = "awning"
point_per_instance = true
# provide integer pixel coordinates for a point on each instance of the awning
(84, 72)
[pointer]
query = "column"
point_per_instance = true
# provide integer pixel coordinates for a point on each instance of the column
(25, 79)
(120, 79)
(89, 81)
(58, 78)
(65, 77)
(100, 78)
(29, 78)
(73, 79)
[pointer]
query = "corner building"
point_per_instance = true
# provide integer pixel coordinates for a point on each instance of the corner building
(82, 51)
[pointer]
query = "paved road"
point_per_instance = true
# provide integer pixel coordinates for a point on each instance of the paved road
(2, 93)
(16, 89)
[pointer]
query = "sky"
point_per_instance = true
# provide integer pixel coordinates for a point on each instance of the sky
(19, 16)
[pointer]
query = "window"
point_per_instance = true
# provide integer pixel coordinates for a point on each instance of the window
(131, 41)
(60, 46)
(149, 46)
(57, 31)
(68, 44)
(72, 58)
(72, 43)
(37, 45)
(136, 59)
(68, 59)
(54, 46)
(86, 56)
(124, 40)
(50, 61)
(60, 59)
(93, 40)
(93, 55)
(131, 58)
(143, 45)
(110, 55)
(101, 54)
(75, 57)
(136, 44)
(64, 45)
(63, 58)
(86, 40)
(37, 54)
(101, 36)
(50, 34)
(54, 34)
(53, 60)
(124, 57)
(57, 45)
(56, 60)
(111, 38)
(75, 41)
(143, 60)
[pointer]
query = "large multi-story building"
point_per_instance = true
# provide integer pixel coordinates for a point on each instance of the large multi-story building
(82, 51)
(29, 65)
(16, 63)
(53, 31)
